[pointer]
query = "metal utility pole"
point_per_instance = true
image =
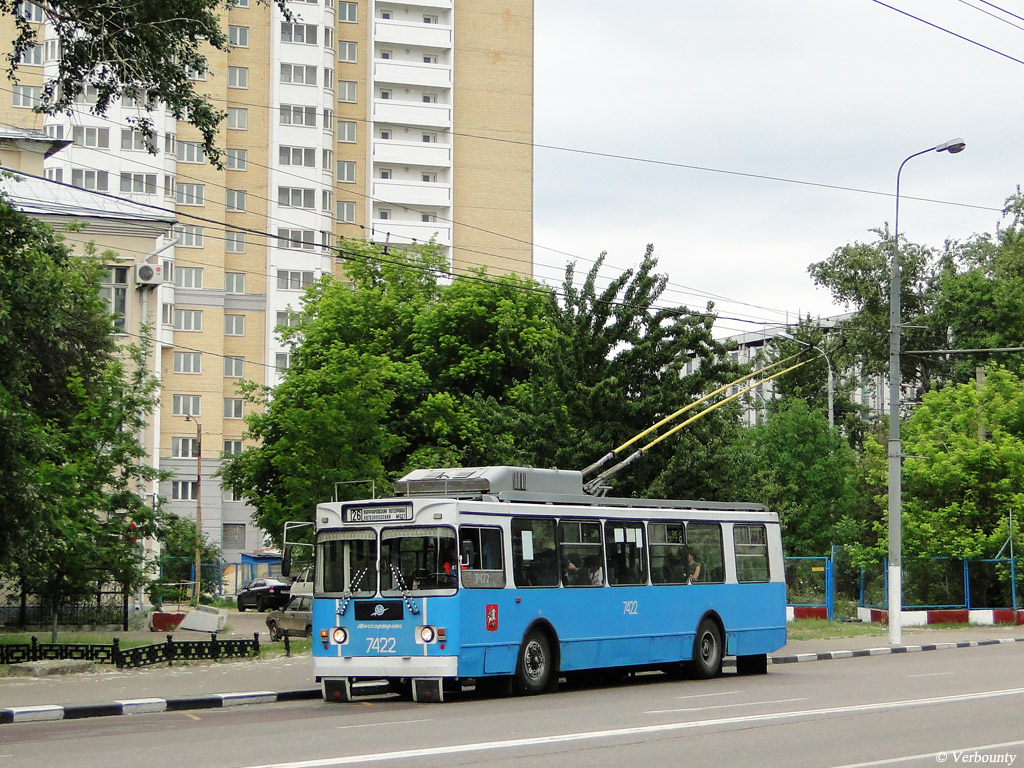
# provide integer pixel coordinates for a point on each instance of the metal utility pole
(199, 505)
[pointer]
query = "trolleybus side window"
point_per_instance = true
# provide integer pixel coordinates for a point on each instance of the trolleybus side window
(704, 544)
(482, 564)
(534, 561)
(751, 542)
(668, 553)
(420, 557)
(579, 549)
(346, 562)
(627, 553)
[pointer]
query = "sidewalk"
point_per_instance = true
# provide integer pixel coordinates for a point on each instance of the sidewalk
(267, 680)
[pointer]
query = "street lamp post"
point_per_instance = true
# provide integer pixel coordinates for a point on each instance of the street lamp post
(199, 505)
(952, 146)
(831, 379)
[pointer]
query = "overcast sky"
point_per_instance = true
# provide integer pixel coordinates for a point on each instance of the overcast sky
(828, 92)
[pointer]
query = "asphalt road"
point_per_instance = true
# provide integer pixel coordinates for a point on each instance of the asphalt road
(905, 709)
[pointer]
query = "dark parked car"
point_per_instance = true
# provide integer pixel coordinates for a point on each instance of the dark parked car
(263, 593)
(295, 619)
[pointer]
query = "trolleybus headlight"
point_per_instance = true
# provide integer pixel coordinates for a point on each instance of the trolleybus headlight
(427, 634)
(339, 635)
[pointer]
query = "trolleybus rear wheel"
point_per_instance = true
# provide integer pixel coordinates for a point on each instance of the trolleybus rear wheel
(535, 665)
(707, 651)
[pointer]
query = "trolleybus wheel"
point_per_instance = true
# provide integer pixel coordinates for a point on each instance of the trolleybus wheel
(707, 651)
(535, 665)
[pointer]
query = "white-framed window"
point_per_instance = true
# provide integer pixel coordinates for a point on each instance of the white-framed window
(385, 134)
(54, 174)
(385, 173)
(240, 3)
(429, 18)
(347, 13)
(386, 15)
(233, 536)
(188, 362)
(304, 34)
(429, 97)
(346, 171)
(235, 200)
(141, 183)
(329, 38)
(234, 325)
(429, 138)
(195, 74)
(188, 319)
(190, 194)
(238, 36)
(287, 319)
(88, 179)
(385, 93)
(54, 131)
(386, 54)
(169, 186)
(184, 447)
(190, 236)
(429, 177)
(134, 101)
(186, 405)
(293, 280)
(184, 490)
(232, 447)
(347, 51)
(226, 494)
(346, 212)
(233, 366)
(134, 140)
(236, 159)
(238, 118)
(429, 58)
(346, 131)
(384, 214)
(327, 201)
(428, 218)
(329, 78)
(347, 91)
(296, 239)
(328, 159)
(190, 152)
(188, 277)
(91, 137)
(232, 407)
(298, 74)
(51, 50)
(305, 156)
(296, 197)
(170, 140)
(167, 313)
(328, 120)
(27, 96)
(234, 282)
(282, 361)
(234, 242)
(298, 114)
(238, 77)
(114, 293)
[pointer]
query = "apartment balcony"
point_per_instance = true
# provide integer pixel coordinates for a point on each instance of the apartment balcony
(412, 153)
(439, 4)
(409, 231)
(412, 73)
(417, 33)
(412, 113)
(423, 193)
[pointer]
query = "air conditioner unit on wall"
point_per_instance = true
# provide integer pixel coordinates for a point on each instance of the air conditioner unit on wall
(149, 274)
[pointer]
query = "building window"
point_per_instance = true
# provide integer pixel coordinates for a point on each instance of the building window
(347, 13)
(234, 325)
(167, 313)
(304, 34)
(188, 277)
(238, 77)
(91, 137)
(347, 51)
(226, 494)
(238, 36)
(232, 447)
(428, 218)
(328, 120)
(233, 366)
(190, 194)
(298, 74)
(134, 140)
(430, 178)
(114, 293)
(429, 138)
(184, 490)
(184, 447)
(387, 55)
(328, 159)
(430, 98)
(429, 58)
(233, 536)
(85, 179)
(293, 280)
(189, 152)
(54, 131)
(235, 200)
(195, 74)
(386, 15)
(384, 214)
(329, 38)
(346, 131)
(296, 114)
(347, 91)
(54, 174)
(327, 204)
(188, 362)
(27, 96)
(346, 171)
(305, 156)
(238, 118)
(234, 242)
(429, 19)
(186, 405)
(282, 361)
(31, 12)
(295, 239)
(142, 183)
(385, 93)
(188, 319)
(236, 159)
(296, 197)
(346, 212)
(287, 319)
(234, 282)
(232, 407)
(190, 236)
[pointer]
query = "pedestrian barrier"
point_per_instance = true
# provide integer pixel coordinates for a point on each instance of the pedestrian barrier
(140, 656)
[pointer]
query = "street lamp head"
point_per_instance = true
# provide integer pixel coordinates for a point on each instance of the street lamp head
(953, 146)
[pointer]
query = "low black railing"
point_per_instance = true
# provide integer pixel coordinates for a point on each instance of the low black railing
(141, 656)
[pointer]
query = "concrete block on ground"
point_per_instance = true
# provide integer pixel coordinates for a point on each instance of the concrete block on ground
(205, 620)
(50, 668)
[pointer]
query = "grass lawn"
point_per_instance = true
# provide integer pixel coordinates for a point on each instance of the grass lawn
(819, 629)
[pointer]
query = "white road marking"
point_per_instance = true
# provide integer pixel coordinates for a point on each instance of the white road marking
(706, 695)
(561, 738)
(395, 722)
(931, 674)
(891, 760)
(721, 706)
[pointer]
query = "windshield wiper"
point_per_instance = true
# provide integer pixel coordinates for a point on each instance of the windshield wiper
(397, 575)
(347, 594)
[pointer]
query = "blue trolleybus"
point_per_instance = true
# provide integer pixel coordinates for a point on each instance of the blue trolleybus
(511, 577)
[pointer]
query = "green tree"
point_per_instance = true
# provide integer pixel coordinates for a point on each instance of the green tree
(179, 539)
(140, 48)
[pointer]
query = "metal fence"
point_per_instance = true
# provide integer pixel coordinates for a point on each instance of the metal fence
(22, 609)
(140, 656)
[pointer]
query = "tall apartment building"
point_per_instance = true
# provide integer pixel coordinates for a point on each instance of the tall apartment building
(372, 119)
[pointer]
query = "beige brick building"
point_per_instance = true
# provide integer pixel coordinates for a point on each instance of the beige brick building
(397, 121)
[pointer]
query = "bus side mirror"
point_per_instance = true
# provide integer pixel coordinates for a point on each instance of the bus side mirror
(286, 561)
